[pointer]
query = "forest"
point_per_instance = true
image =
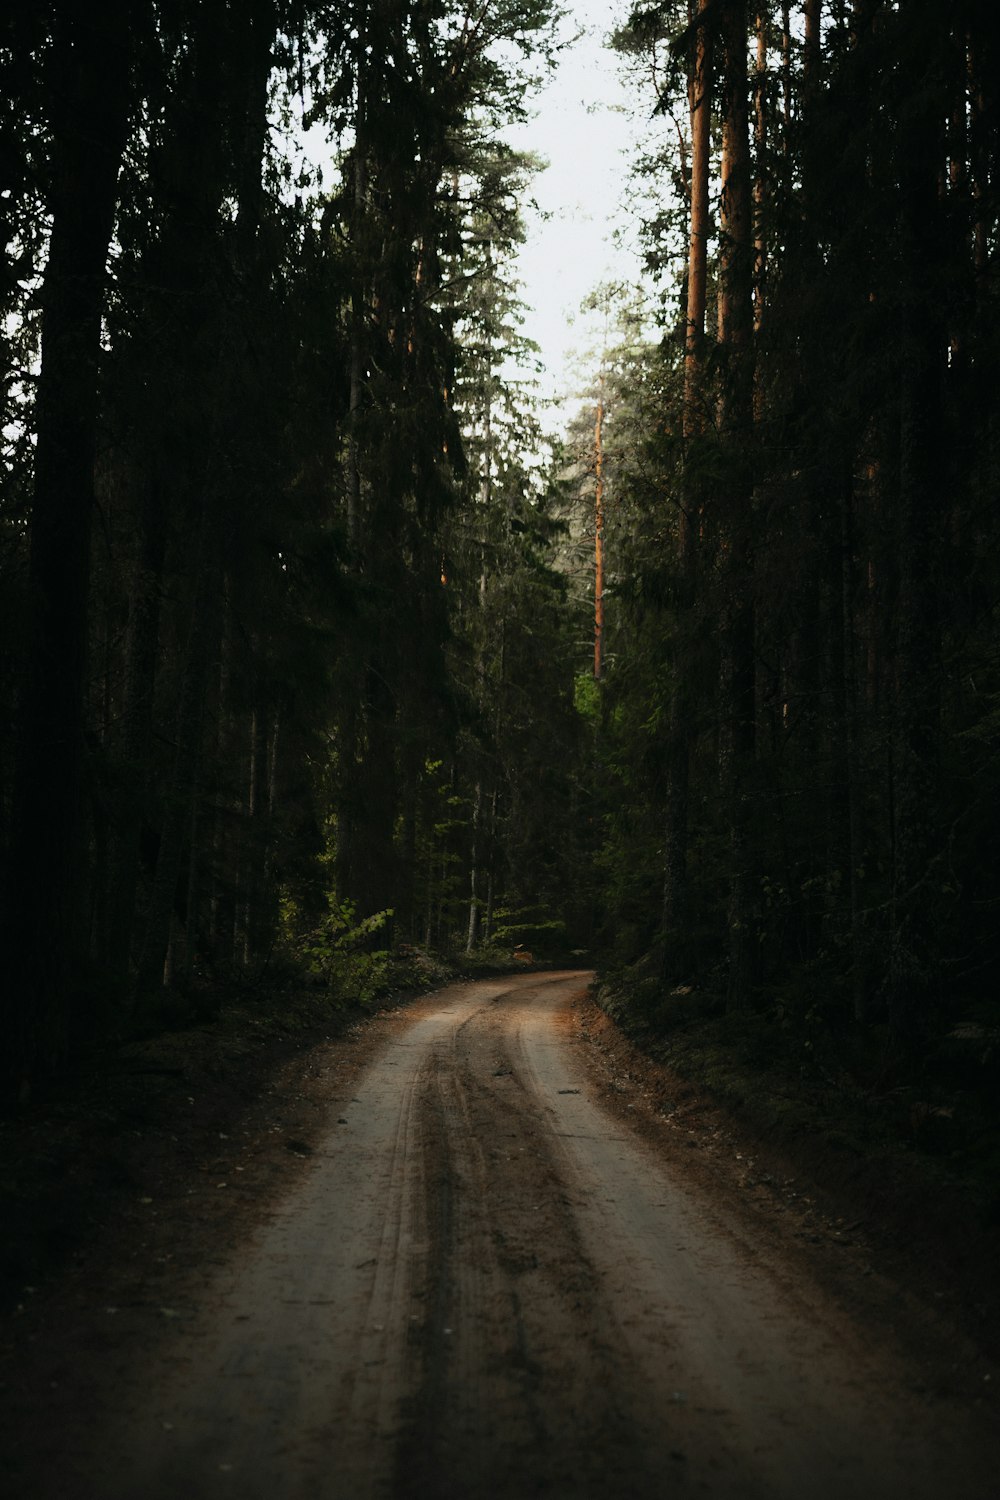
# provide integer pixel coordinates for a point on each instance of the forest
(320, 652)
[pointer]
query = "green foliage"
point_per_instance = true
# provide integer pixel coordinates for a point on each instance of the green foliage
(488, 958)
(587, 697)
(529, 927)
(340, 953)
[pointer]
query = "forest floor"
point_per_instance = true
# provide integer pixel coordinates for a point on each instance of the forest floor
(510, 1151)
(78, 1154)
(912, 1162)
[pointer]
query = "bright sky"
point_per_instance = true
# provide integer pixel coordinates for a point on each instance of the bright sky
(584, 121)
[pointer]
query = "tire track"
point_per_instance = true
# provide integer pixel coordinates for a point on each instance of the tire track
(525, 1401)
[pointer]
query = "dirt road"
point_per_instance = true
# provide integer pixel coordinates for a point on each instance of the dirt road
(483, 1285)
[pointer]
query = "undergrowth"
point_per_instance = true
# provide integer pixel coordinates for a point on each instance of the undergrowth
(800, 1073)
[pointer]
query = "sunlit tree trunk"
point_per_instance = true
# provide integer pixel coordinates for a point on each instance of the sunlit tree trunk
(812, 16)
(737, 678)
(358, 373)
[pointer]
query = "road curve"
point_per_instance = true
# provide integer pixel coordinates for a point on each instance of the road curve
(483, 1286)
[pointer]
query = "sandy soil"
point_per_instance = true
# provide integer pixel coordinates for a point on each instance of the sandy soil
(463, 1256)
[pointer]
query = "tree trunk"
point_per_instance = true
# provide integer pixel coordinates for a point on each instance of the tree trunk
(678, 750)
(202, 645)
(258, 841)
(850, 769)
(491, 871)
(737, 679)
(47, 903)
(918, 683)
(474, 872)
(599, 534)
(760, 123)
(812, 12)
(141, 648)
(786, 75)
(700, 100)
